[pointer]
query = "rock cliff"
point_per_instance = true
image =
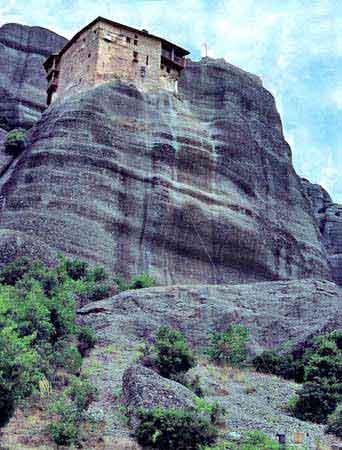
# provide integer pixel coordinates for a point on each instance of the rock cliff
(22, 78)
(329, 219)
(194, 188)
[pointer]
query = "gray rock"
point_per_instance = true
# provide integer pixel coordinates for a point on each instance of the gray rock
(329, 219)
(197, 188)
(23, 82)
(276, 313)
(144, 388)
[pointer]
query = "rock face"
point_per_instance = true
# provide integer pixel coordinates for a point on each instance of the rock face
(275, 312)
(329, 219)
(192, 189)
(23, 84)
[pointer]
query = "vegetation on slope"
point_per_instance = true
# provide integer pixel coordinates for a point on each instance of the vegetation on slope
(319, 367)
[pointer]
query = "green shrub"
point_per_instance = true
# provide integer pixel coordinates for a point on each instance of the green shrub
(214, 411)
(15, 141)
(173, 355)
(76, 269)
(230, 347)
(253, 440)
(315, 402)
(335, 422)
(38, 330)
(141, 281)
(283, 365)
(86, 340)
(170, 429)
(15, 270)
(97, 274)
(65, 428)
(64, 432)
(82, 392)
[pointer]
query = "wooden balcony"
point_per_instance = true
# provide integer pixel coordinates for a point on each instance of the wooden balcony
(168, 57)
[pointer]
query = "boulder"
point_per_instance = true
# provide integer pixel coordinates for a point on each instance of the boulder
(144, 388)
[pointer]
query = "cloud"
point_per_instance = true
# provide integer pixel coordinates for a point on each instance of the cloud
(294, 45)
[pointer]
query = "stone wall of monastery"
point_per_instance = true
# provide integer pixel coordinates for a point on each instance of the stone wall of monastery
(129, 56)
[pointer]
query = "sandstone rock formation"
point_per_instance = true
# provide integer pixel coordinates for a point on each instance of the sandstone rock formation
(22, 78)
(329, 219)
(195, 188)
(275, 312)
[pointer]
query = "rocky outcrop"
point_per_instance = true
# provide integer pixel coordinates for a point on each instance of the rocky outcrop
(195, 188)
(144, 388)
(329, 219)
(23, 82)
(275, 312)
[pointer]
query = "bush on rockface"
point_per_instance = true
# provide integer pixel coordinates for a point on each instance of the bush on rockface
(335, 422)
(69, 411)
(319, 366)
(15, 142)
(253, 440)
(322, 389)
(141, 281)
(315, 402)
(173, 354)
(230, 346)
(170, 429)
(285, 366)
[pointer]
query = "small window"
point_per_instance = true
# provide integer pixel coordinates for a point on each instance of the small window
(147, 60)
(168, 70)
(135, 36)
(135, 56)
(95, 31)
(128, 39)
(135, 41)
(84, 39)
(89, 55)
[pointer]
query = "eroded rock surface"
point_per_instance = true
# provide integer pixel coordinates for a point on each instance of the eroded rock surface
(198, 188)
(329, 219)
(23, 84)
(275, 312)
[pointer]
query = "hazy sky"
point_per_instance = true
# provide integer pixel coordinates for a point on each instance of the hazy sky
(294, 45)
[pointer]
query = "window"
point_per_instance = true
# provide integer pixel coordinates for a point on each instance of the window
(147, 60)
(168, 70)
(89, 55)
(135, 56)
(128, 39)
(135, 41)
(95, 31)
